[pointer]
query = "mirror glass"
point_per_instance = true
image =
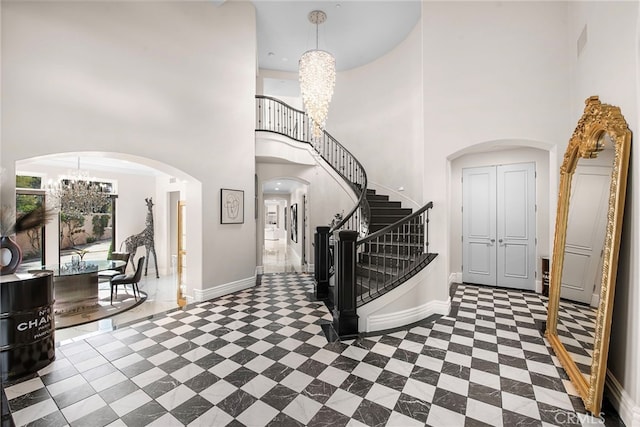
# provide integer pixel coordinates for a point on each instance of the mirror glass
(587, 238)
(583, 254)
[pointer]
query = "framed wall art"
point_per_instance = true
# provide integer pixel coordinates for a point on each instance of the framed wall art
(294, 222)
(231, 206)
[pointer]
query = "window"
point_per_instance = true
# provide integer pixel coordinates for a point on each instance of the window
(29, 196)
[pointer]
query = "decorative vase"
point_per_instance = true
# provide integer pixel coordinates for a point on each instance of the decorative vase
(10, 255)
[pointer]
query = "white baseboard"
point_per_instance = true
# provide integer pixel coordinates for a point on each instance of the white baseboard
(225, 289)
(628, 410)
(455, 277)
(406, 317)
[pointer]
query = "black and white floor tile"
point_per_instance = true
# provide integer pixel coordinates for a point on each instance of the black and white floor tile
(576, 329)
(259, 357)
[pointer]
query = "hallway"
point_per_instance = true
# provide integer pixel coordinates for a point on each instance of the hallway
(275, 258)
(259, 357)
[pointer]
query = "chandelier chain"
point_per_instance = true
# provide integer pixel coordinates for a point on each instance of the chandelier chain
(317, 74)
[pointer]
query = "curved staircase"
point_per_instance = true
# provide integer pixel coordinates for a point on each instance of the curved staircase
(384, 212)
(387, 244)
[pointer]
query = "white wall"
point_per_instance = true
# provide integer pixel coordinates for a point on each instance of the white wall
(173, 82)
(487, 77)
(376, 113)
(608, 66)
(281, 85)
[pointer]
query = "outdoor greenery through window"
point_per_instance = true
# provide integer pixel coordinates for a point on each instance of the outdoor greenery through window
(29, 196)
(31, 242)
(87, 231)
(23, 181)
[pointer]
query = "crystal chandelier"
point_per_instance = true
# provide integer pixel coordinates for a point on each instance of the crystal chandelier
(78, 194)
(317, 71)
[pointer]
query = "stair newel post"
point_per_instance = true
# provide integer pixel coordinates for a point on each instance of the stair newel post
(322, 262)
(345, 318)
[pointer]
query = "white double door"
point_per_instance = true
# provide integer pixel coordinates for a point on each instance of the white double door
(498, 225)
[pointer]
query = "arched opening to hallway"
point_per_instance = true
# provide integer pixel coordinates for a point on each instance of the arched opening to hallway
(283, 226)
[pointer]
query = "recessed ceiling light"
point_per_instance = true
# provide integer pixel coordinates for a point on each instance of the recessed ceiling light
(279, 183)
(277, 188)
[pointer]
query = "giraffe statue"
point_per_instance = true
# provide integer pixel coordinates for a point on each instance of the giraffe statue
(144, 238)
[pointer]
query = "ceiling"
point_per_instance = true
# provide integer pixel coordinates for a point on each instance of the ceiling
(280, 187)
(355, 32)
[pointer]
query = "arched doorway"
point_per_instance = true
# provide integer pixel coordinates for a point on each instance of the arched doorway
(133, 181)
(503, 153)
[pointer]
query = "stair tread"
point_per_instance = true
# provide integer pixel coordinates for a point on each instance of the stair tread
(389, 256)
(401, 244)
(385, 286)
(373, 204)
(391, 209)
(388, 219)
(378, 197)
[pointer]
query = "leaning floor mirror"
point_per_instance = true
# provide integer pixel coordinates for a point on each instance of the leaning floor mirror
(593, 179)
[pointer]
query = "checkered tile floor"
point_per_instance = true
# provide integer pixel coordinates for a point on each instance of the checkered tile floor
(259, 357)
(576, 329)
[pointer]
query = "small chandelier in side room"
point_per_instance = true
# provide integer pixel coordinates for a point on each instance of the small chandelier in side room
(317, 79)
(78, 194)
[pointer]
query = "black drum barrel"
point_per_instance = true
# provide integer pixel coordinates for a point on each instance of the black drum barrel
(27, 341)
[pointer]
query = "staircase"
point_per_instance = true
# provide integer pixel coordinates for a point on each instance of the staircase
(383, 211)
(393, 242)
(384, 262)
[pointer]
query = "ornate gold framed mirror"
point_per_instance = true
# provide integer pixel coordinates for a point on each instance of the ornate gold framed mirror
(593, 180)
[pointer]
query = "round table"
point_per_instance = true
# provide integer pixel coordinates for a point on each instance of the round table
(76, 284)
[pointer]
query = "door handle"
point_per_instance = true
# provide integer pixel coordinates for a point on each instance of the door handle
(492, 241)
(501, 242)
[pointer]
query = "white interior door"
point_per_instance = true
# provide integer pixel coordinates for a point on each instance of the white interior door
(586, 227)
(479, 225)
(516, 221)
(498, 230)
